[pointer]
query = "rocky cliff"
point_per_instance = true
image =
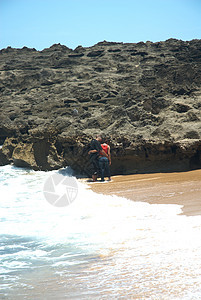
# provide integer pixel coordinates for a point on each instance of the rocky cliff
(145, 98)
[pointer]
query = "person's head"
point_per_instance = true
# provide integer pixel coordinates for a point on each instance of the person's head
(99, 138)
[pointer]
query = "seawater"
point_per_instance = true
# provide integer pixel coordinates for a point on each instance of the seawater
(99, 247)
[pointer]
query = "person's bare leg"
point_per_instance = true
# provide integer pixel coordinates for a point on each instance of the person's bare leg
(94, 177)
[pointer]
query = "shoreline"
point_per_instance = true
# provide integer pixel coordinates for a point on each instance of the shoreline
(182, 188)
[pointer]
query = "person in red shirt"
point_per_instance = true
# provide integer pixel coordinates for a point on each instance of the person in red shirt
(95, 152)
(105, 162)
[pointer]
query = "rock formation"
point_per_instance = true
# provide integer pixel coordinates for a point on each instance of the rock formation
(145, 98)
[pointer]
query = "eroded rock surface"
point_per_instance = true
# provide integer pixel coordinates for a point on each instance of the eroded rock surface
(145, 97)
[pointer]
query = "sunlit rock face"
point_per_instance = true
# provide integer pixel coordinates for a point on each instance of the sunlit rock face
(145, 98)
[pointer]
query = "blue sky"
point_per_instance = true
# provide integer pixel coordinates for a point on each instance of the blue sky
(41, 23)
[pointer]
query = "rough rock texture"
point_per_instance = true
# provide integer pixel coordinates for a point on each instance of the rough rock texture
(145, 97)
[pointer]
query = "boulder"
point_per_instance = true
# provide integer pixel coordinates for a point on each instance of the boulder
(38, 155)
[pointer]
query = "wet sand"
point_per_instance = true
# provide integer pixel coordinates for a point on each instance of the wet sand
(182, 188)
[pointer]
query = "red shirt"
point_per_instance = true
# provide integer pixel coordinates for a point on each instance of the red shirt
(105, 147)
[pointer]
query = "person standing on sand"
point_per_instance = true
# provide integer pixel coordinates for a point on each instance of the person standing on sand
(105, 162)
(94, 152)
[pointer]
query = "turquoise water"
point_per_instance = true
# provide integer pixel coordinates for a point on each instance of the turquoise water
(99, 247)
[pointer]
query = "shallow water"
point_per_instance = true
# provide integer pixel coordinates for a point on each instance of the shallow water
(99, 247)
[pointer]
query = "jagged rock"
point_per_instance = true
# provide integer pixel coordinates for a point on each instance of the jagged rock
(145, 97)
(38, 155)
(23, 156)
(9, 145)
(3, 159)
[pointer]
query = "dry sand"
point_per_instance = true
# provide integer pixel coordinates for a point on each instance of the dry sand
(182, 188)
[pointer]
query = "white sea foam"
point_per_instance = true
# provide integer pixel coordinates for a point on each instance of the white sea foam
(107, 243)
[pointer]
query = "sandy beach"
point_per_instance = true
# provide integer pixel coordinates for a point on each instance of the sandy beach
(182, 188)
